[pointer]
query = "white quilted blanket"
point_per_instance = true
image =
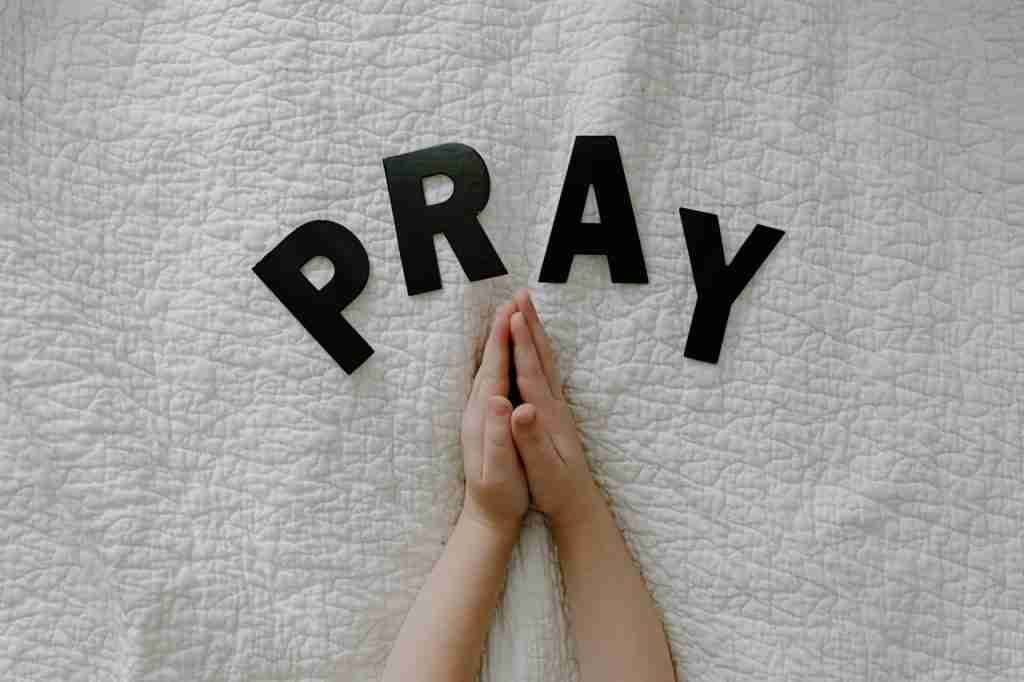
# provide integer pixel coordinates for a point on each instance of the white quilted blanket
(192, 489)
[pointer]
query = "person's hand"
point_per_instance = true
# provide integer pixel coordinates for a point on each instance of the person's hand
(544, 429)
(496, 492)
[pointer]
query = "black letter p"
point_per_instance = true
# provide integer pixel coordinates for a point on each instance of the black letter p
(319, 311)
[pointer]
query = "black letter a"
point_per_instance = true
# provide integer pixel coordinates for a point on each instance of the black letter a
(595, 161)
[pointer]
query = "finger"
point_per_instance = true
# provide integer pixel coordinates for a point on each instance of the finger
(501, 463)
(524, 302)
(493, 376)
(530, 379)
(540, 458)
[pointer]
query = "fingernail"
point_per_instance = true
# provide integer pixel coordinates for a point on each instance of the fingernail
(526, 417)
(499, 408)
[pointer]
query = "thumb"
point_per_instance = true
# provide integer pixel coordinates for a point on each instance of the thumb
(500, 460)
(542, 462)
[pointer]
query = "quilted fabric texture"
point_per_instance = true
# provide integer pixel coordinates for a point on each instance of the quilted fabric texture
(191, 489)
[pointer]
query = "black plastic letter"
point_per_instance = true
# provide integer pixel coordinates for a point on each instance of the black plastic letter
(319, 311)
(718, 285)
(595, 161)
(416, 223)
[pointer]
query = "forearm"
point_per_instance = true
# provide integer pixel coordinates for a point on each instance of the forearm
(615, 623)
(443, 635)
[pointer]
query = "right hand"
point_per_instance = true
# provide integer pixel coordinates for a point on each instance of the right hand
(544, 429)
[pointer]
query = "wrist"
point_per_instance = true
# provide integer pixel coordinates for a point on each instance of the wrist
(589, 509)
(489, 529)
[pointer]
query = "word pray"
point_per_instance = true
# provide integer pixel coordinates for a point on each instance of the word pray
(594, 161)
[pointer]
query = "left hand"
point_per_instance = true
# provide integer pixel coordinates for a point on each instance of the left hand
(497, 495)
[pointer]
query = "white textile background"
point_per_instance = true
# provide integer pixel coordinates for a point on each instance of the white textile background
(190, 489)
